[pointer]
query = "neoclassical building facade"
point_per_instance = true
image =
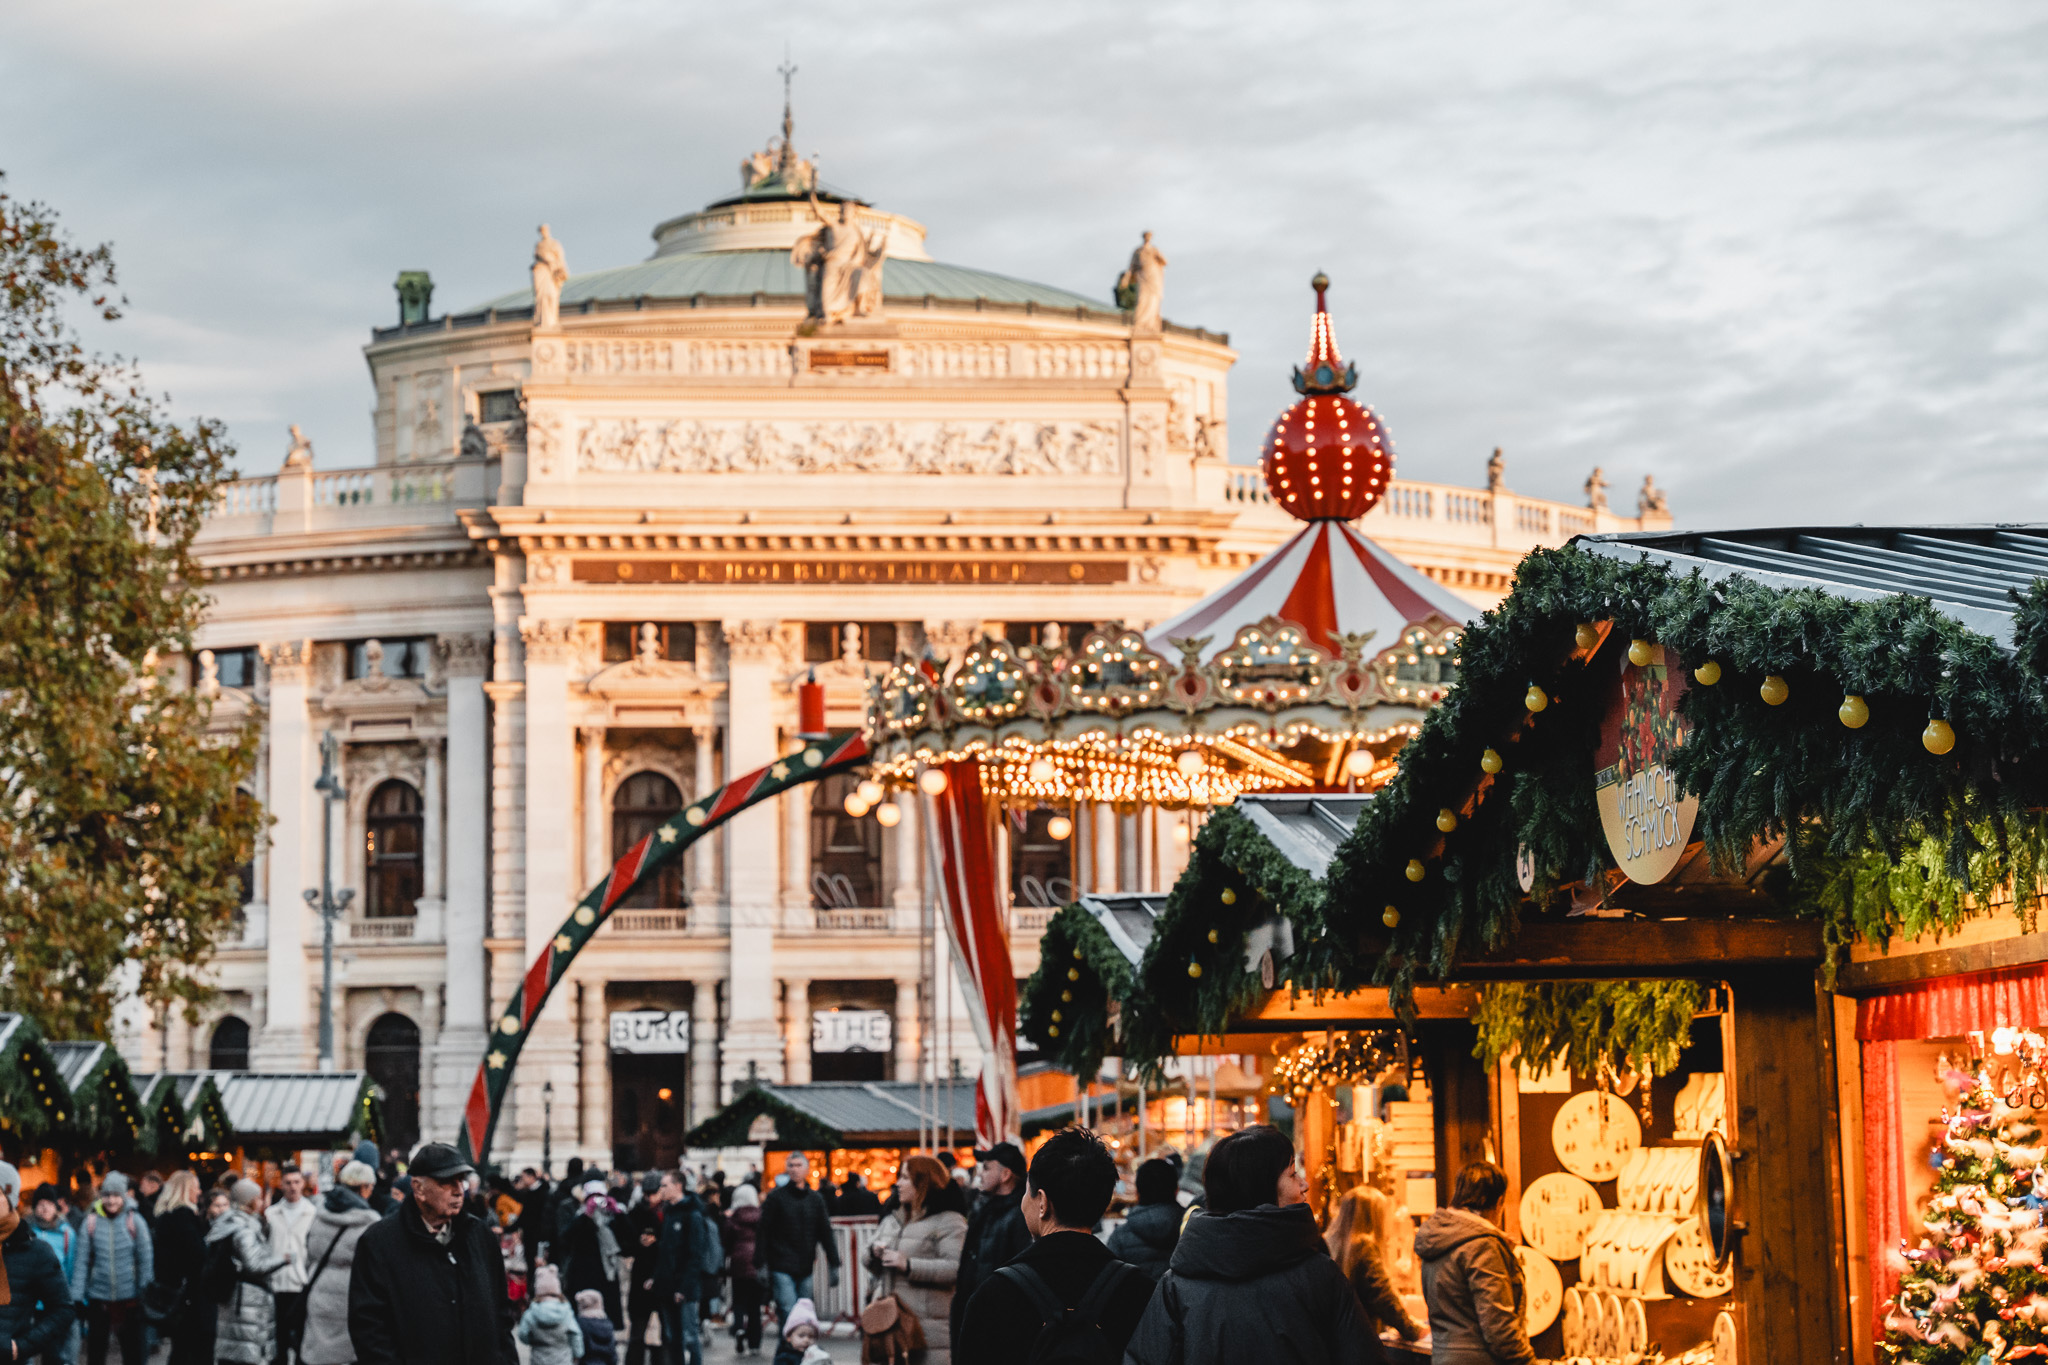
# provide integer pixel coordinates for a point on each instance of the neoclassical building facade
(612, 523)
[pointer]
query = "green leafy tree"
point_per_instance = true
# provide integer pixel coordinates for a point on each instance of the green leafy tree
(120, 828)
(1974, 1290)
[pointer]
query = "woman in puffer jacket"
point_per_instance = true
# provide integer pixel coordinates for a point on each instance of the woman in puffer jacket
(916, 1252)
(330, 1260)
(1251, 1279)
(1470, 1276)
(246, 1327)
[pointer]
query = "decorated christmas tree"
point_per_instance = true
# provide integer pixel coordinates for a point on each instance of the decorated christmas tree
(1974, 1291)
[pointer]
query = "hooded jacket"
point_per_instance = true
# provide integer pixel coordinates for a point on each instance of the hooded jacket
(551, 1329)
(246, 1326)
(116, 1256)
(1473, 1285)
(338, 1225)
(1259, 1285)
(37, 1316)
(1148, 1237)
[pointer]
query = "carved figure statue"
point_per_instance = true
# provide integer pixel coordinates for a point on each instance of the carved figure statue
(1143, 285)
(849, 645)
(756, 168)
(550, 273)
(842, 268)
(373, 666)
(650, 644)
(300, 456)
(474, 446)
(1651, 502)
(1496, 472)
(1596, 490)
(209, 674)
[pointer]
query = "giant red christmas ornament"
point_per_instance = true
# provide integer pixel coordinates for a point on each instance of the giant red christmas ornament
(1327, 458)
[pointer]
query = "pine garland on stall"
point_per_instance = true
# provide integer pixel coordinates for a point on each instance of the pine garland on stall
(1067, 1000)
(1932, 782)
(1974, 1291)
(1610, 1026)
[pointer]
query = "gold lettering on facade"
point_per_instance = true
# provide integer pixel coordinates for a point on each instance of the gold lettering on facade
(764, 571)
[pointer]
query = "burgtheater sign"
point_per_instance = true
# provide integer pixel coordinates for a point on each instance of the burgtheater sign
(813, 573)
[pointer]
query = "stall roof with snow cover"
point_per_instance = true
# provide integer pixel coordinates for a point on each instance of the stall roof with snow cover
(1968, 573)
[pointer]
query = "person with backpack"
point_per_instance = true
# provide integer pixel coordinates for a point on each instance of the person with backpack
(1064, 1300)
(239, 1263)
(35, 1309)
(1470, 1277)
(742, 1227)
(344, 1215)
(116, 1259)
(1251, 1278)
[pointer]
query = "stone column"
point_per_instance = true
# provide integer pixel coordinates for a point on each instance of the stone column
(753, 653)
(703, 1049)
(703, 867)
(906, 1028)
(550, 1052)
(1130, 861)
(1102, 821)
(796, 1030)
(596, 856)
(432, 874)
(908, 892)
(286, 1040)
(595, 1076)
(467, 793)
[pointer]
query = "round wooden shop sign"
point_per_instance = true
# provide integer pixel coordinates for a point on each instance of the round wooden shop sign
(1648, 824)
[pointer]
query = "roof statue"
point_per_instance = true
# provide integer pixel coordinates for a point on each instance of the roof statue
(778, 167)
(300, 456)
(550, 273)
(1496, 472)
(1142, 286)
(842, 268)
(1596, 490)
(1651, 501)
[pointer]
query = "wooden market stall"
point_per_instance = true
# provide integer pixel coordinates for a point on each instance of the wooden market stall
(276, 1117)
(190, 1125)
(1686, 791)
(862, 1127)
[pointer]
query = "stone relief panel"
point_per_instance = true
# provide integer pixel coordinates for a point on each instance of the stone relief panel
(1180, 415)
(633, 446)
(1076, 360)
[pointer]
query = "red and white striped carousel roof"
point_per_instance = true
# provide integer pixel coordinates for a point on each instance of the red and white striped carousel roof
(1329, 580)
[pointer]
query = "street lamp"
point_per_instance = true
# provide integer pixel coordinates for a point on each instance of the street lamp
(328, 904)
(547, 1128)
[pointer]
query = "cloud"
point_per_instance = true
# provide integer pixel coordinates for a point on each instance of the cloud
(1789, 258)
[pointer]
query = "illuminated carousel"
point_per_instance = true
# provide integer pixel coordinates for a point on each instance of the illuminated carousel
(1305, 673)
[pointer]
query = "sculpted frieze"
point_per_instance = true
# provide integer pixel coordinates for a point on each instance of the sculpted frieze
(635, 446)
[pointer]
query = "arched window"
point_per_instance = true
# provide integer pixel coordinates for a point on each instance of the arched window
(229, 1050)
(640, 806)
(1041, 867)
(391, 845)
(391, 1054)
(846, 854)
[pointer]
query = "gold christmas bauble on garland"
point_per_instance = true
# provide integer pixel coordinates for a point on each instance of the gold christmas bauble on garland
(1214, 937)
(1073, 973)
(1707, 674)
(1535, 699)
(1939, 737)
(1774, 690)
(1489, 762)
(1066, 997)
(1854, 711)
(1195, 971)
(1390, 917)
(1640, 652)
(1229, 895)
(1587, 635)
(1446, 819)
(1416, 871)
(1052, 1031)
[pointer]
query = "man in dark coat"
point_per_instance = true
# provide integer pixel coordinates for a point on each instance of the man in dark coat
(1064, 1267)
(638, 1232)
(1151, 1230)
(1251, 1278)
(428, 1286)
(536, 1221)
(794, 1226)
(37, 1315)
(856, 1200)
(995, 1230)
(679, 1270)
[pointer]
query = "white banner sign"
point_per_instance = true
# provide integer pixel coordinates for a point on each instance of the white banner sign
(850, 1031)
(650, 1030)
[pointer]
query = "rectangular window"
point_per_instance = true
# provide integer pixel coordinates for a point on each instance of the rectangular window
(234, 667)
(499, 405)
(1033, 632)
(675, 641)
(825, 641)
(403, 658)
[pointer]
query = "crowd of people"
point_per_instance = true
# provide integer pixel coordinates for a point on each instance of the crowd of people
(423, 1263)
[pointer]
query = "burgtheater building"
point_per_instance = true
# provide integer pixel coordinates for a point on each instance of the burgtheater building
(613, 522)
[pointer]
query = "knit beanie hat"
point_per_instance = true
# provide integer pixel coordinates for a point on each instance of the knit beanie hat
(547, 1283)
(802, 1314)
(245, 1193)
(589, 1303)
(115, 1183)
(356, 1174)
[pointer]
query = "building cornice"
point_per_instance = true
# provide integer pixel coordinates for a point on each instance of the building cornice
(392, 561)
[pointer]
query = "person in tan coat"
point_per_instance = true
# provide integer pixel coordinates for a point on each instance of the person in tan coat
(916, 1252)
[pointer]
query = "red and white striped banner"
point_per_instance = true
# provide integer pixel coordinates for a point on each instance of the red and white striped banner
(962, 848)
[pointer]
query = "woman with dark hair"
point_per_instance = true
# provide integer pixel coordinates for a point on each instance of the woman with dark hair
(1251, 1278)
(916, 1252)
(1470, 1277)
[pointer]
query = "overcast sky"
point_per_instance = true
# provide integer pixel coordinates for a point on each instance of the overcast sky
(1789, 257)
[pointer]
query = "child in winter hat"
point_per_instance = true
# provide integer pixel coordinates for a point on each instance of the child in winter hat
(800, 1337)
(549, 1326)
(600, 1346)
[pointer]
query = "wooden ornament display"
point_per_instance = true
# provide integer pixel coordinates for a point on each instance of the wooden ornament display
(1594, 1134)
(1614, 1320)
(1660, 1180)
(1625, 1253)
(1638, 1327)
(1574, 1316)
(1725, 1351)
(1543, 1289)
(1702, 1104)
(1558, 1210)
(1689, 1261)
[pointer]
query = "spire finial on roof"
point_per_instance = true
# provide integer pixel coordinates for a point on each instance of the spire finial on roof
(788, 70)
(1325, 370)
